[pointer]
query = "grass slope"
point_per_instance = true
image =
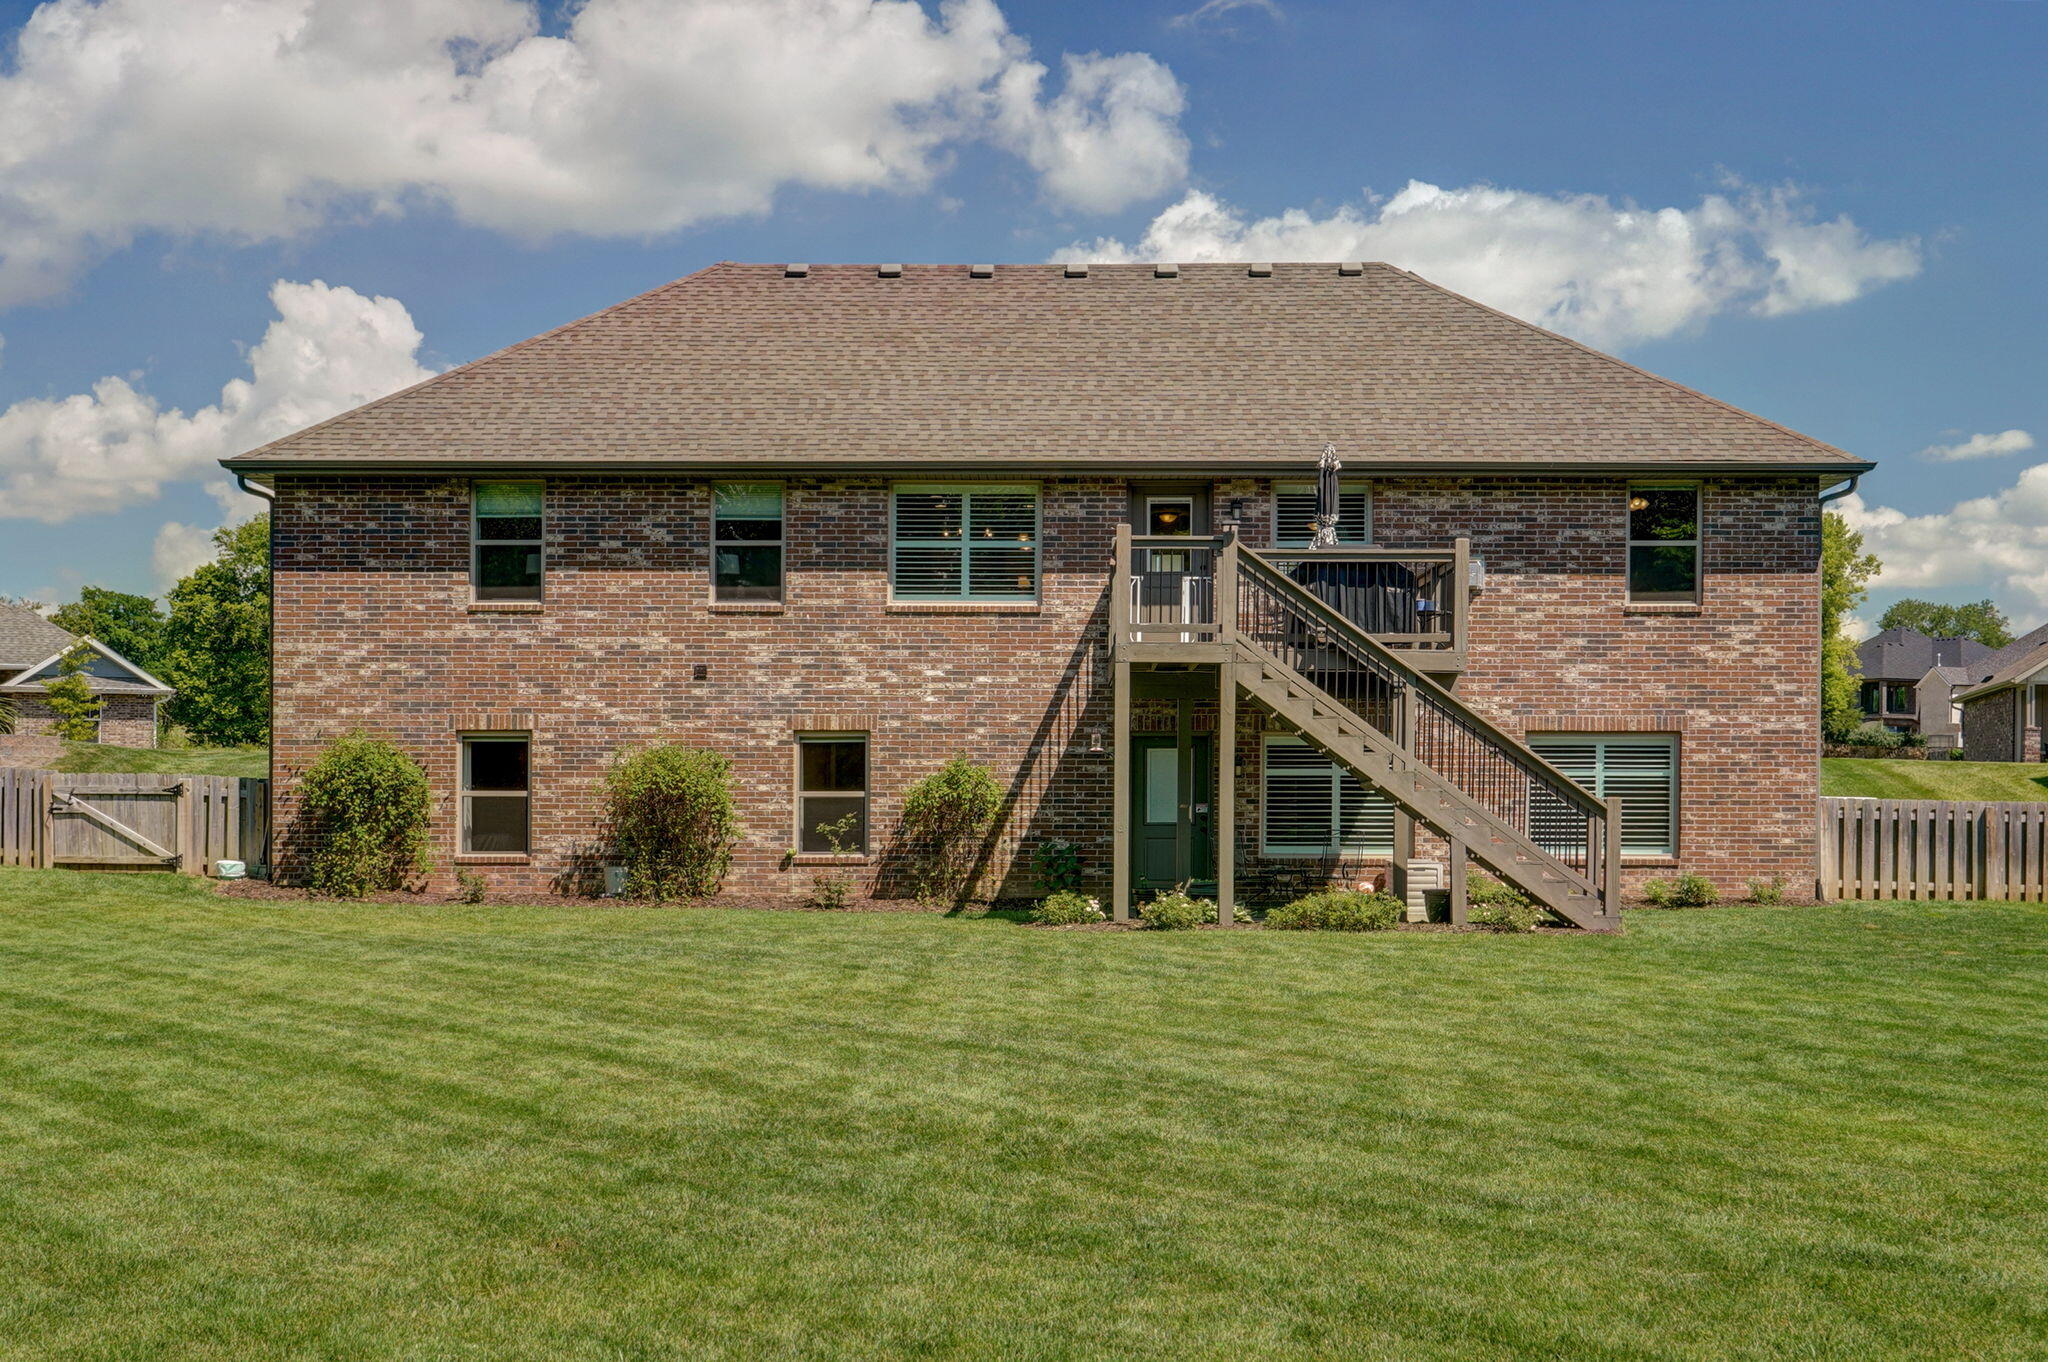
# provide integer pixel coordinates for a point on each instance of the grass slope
(1882, 779)
(182, 761)
(236, 1129)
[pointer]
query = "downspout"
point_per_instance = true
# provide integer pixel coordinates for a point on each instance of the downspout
(1825, 497)
(269, 495)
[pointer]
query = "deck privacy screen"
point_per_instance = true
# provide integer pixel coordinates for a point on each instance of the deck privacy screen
(1639, 769)
(1313, 807)
(974, 542)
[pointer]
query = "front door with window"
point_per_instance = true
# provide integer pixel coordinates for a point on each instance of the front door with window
(1172, 825)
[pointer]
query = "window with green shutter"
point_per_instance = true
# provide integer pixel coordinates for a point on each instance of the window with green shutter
(1641, 770)
(965, 542)
(1313, 807)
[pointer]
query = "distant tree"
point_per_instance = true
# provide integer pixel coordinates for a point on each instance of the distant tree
(69, 695)
(217, 641)
(132, 626)
(1845, 573)
(1980, 620)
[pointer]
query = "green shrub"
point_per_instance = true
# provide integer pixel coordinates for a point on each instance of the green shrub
(1687, 891)
(1484, 891)
(1770, 892)
(1056, 862)
(672, 820)
(70, 697)
(366, 803)
(1873, 735)
(1178, 910)
(1504, 916)
(7, 715)
(469, 886)
(1338, 910)
(1064, 907)
(945, 817)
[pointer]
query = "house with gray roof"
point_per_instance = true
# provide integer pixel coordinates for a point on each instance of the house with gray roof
(1903, 688)
(32, 652)
(2001, 701)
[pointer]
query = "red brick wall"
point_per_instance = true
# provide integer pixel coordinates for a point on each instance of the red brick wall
(374, 629)
(125, 720)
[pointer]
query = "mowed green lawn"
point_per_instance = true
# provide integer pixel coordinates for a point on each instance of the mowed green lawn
(236, 1129)
(181, 761)
(1887, 779)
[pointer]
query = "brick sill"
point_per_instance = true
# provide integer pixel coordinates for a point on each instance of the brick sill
(491, 858)
(826, 858)
(1649, 862)
(962, 608)
(748, 608)
(507, 607)
(1664, 608)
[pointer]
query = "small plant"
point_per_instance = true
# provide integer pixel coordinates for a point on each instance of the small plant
(1770, 892)
(1178, 910)
(832, 889)
(366, 805)
(1687, 891)
(1064, 908)
(945, 816)
(1874, 735)
(70, 697)
(469, 886)
(1504, 916)
(1056, 862)
(1484, 891)
(7, 713)
(1338, 910)
(673, 823)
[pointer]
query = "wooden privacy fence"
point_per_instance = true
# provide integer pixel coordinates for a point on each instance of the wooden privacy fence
(1932, 849)
(132, 822)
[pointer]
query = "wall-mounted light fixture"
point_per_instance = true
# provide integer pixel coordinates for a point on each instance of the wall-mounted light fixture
(1095, 747)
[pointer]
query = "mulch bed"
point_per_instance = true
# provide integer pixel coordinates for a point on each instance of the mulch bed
(265, 890)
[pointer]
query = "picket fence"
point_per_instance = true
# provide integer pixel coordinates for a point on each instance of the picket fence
(1933, 849)
(50, 819)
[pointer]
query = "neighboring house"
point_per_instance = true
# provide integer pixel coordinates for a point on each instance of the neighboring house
(1894, 664)
(841, 523)
(30, 650)
(2002, 701)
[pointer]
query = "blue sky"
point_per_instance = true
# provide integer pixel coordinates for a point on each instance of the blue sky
(1831, 215)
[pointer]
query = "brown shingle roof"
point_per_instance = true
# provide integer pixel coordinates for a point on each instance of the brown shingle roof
(26, 638)
(739, 366)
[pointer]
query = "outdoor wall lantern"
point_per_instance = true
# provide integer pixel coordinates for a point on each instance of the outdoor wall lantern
(1095, 748)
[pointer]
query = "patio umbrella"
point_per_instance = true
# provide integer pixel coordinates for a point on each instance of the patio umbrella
(1325, 536)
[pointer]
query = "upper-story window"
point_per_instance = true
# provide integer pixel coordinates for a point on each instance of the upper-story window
(968, 542)
(505, 543)
(1663, 543)
(1869, 696)
(1899, 697)
(1294, 513)
(746, 541)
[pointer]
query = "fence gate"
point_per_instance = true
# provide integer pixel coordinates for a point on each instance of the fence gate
(132, 822)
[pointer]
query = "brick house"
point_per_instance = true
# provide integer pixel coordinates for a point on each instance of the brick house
(2002, 700)
(30, 650)
(843, 522)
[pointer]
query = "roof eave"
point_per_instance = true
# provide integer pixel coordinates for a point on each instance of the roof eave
(989, 468)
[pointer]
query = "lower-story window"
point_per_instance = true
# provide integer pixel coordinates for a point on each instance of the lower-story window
(496, 793)
(1314, 807)
(832, 793)
(1641, 770)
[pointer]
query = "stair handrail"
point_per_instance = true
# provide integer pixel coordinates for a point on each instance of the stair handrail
(1251, 560)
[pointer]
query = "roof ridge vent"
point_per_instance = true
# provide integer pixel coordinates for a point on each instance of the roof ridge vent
(1163, 270)
(1351, 267)
(1077, 269)
(981, 271)
(1262, 270)
(795, 271)
(888, 271)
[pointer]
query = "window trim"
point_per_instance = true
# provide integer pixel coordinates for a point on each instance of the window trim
(1185, 498)
(781, 541)
(476, 543)
(1338, 774)
(1673, 743)
(1698, 543)
(966, 489)
(799, 794)
(1294, 486)
(463, 794)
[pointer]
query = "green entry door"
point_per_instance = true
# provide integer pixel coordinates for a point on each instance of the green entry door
(1171, 811)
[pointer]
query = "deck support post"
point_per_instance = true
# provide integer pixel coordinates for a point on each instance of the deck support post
(1120, 793)
(1225, 836)
(1404, 851)
(1458, 870)
(1612, 883)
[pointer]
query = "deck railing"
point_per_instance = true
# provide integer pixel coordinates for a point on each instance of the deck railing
(1410, 599)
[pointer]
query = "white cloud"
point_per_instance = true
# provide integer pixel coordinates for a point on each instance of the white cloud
(1855, 628)
(1217, 13)
(1981, 446)
(178, 549)
(1996, 545)
(1608, 273)
(260, 119)
(330, 349)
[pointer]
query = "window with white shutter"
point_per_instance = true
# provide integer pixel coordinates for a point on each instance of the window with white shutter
(1294, 513)
(1314, 807)
(1641, 770)
(974, 542)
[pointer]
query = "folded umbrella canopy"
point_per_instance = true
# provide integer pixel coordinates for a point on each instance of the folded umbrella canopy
(1325, 536)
